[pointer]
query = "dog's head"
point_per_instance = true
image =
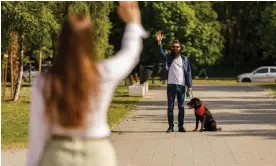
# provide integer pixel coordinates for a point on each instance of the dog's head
(194, 103)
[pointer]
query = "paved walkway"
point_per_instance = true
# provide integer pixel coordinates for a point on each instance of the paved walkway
(246, 115)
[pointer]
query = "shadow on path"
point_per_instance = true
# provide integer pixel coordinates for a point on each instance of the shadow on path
(240, 116)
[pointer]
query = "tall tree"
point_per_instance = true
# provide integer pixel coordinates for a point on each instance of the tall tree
(195, 25)
(241, 26)
(99, 12)
(206, 37)
(19, 17)
(45, 26)
(176, 20)
(268, 34)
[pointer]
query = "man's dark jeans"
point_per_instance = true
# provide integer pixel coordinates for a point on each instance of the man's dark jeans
(179, 91)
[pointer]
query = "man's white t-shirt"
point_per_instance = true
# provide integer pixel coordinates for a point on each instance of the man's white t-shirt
(176, 75)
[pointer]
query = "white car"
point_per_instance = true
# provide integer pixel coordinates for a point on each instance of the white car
(34, 72)
(261, 74)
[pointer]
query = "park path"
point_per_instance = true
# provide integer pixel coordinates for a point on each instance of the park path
(245, 113)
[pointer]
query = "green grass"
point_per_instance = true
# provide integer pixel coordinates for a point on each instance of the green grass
(203, 81)
(215, 81)
(15, 115)
(121, 105)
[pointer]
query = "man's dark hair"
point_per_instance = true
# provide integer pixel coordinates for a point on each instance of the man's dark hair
(176, 41)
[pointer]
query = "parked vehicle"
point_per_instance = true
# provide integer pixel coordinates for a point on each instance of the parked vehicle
(34, 72)
(261, 74)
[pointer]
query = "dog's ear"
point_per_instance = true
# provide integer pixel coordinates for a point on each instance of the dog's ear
(198, 103)
(190, 102)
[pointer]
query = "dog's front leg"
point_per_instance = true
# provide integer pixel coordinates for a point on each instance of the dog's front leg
(197, 121)
(202, 124)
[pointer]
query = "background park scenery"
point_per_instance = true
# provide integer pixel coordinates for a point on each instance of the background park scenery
(225, 38)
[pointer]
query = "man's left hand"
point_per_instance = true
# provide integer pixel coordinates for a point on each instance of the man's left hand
(189, 89)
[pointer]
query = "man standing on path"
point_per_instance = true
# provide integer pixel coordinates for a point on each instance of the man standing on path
(179, 75)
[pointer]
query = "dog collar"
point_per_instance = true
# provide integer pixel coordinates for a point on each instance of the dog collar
(200, 110)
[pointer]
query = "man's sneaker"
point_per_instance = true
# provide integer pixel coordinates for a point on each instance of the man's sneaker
(170, 130)
(181, 130)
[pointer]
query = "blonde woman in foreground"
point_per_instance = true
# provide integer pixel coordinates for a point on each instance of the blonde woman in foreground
(69, 104)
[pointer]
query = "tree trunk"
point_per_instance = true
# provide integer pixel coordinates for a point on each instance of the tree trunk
(30, 73)
(6, 74)
(12, 60)
(3, 66)
(39, 61)
(19, 78)
(11, 73)
(4, 77)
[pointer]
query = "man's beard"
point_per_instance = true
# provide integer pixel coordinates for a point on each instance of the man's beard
(175, 53)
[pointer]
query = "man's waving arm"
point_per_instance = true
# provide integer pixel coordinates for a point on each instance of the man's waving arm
(159, 38)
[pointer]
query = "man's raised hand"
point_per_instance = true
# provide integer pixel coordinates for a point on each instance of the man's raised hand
(159, 37)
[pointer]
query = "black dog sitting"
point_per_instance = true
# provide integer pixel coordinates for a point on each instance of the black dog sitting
(203, 115)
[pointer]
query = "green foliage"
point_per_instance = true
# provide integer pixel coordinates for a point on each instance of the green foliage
(99, 12)
(41, 36)
(195, 25)
(33, 20)
(176, 20)
(15, 17)
(79, 7)
(39, 22)
(243, 30)
(221, 34)
(206, 38)
(268, 34)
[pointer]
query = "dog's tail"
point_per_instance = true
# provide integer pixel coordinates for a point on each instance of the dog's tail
(219, 129)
